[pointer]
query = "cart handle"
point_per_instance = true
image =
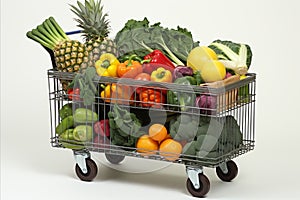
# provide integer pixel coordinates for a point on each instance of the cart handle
(73, 32)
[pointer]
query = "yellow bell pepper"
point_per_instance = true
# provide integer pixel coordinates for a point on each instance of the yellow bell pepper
(107, 65)
(161, 75)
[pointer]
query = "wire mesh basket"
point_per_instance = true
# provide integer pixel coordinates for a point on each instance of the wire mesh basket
(216, 126)
(223, 108)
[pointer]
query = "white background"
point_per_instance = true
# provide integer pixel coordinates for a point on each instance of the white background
(31, 169)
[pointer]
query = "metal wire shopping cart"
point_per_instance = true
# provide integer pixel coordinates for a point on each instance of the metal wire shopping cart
(223, 124)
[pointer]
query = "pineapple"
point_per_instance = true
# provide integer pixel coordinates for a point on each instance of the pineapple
(70, 56)
(95, 28)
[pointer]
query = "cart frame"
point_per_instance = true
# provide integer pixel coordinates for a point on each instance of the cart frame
(229, 103)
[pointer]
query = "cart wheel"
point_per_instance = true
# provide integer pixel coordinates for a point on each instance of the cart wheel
(114, 159)
(204, 186)
(231, 174)
(92, 170)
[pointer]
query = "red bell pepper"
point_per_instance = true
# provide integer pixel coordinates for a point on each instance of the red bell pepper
(102, 127)
(157, 59)
(101, 142)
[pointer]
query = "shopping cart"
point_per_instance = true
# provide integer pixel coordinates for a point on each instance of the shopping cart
(224, 112)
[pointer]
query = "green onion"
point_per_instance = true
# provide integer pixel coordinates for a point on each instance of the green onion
(39, 40)
(48, 34)
(48, 28)
(58, 28)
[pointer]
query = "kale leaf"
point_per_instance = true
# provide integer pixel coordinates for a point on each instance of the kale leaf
(141, 38)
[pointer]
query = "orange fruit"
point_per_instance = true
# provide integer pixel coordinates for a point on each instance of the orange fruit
(146, 145)
(168, 137)
(158, 132)
(170, 149)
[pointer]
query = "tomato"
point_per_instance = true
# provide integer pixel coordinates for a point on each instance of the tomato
(74, 94)
(151, 97)
(143, 77)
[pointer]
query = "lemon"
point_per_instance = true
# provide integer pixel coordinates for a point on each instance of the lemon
(212, 71)
(199, 55)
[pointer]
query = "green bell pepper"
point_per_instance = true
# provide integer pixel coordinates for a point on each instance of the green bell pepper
(83, 133)
(67, 140)
(83, 115)
(75, 138)
(66, 111)
(183, 99)
(65, 124)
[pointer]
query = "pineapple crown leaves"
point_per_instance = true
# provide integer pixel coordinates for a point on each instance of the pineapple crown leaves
(92, 20)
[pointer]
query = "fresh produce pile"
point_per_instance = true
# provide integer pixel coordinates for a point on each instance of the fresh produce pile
(76, 126)
(144, 52)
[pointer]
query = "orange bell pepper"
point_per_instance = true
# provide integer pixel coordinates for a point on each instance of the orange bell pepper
(130, 68)
(117, 93)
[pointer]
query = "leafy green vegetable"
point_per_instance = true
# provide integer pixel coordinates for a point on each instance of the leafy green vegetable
(84, 81)
(124, 127)
(207, 137)
(139, 37)
(235, 56)
(184, 127)
(183, 99)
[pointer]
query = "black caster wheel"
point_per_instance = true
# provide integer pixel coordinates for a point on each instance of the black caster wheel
(231, 174)
(92, 170)
(114, 159)
(204, 186)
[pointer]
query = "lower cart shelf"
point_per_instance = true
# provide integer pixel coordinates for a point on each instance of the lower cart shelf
(207, 134)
